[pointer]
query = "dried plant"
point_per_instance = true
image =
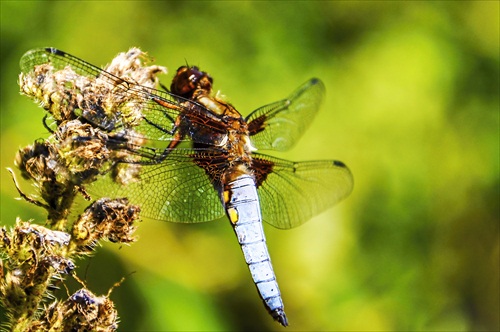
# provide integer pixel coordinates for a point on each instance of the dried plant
(92, 133)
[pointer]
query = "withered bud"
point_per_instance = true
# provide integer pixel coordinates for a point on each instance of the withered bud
(39, 161)
(83, 149)
(111, 219)
(82, 311)
(55, 91)
(33, 244)
(131, 65)
(35, 255)
(42, 163)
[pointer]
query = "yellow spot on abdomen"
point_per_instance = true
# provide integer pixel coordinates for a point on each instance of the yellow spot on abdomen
(226, 196)
(232, 213)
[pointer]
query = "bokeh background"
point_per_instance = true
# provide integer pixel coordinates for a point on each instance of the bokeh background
(412, 108)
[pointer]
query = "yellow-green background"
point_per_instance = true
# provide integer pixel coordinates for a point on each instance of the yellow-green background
(412, 107)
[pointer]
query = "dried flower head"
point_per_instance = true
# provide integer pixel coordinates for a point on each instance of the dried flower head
(32, 257)
(82, 311)
(105, 219)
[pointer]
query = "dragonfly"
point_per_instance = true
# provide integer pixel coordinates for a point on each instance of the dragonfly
(199, 159)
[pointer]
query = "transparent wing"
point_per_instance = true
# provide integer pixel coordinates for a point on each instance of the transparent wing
(278, 126)
(292, 192)
(175, 190)
(111, 98)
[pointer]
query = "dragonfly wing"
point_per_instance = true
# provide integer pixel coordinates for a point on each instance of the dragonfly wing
(293, 192)
(278, 126)
(175, 190)
(120, 96)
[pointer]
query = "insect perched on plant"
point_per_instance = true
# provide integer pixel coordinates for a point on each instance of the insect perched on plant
(188, 156)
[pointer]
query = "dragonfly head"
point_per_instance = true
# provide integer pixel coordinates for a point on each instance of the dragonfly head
(189, 79)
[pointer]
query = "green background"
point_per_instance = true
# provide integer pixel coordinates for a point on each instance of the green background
(412, 107)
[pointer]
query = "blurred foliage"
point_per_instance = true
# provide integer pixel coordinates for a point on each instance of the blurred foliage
(412, 108)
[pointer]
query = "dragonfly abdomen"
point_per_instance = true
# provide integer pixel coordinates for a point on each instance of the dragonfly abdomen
(243, 209)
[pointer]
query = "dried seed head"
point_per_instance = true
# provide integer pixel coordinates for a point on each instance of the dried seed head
(42, 163)
(131, 65)
(82, 311)
(59, 92)
(83, 149)
(105, 219)
(35, 255)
